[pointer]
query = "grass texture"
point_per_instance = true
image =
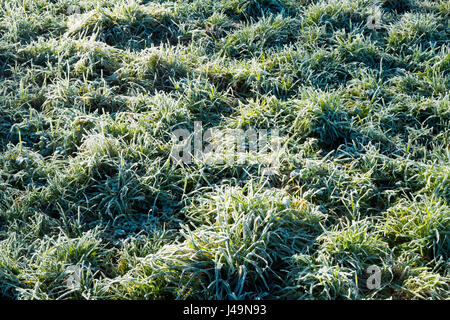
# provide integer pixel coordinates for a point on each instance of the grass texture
(91, 90)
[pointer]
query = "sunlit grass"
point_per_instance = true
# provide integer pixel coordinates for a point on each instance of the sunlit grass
(90, 92)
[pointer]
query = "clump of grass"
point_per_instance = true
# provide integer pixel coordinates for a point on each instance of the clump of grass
(254, 38)
(421, 226)
(317, 278)
(241, 235)
(412, 28)
(354, 245)
(126, 25)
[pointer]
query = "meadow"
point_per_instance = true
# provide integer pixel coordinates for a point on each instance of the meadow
(93, 207)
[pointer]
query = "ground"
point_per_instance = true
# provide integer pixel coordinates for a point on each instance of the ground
(93, 205)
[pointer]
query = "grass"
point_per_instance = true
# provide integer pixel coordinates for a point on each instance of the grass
(91, 92)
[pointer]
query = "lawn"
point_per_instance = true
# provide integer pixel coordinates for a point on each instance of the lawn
(348, 199)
